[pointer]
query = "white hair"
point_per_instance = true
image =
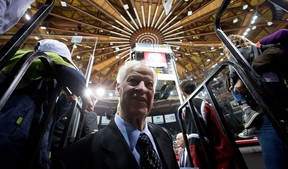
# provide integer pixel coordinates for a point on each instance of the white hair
(130, 65)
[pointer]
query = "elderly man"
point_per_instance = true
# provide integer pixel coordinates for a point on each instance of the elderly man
(128, 141)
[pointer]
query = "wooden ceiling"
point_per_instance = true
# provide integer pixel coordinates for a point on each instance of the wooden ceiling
(114, 25)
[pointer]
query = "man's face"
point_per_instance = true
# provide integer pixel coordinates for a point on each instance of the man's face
(136, 93)
(180, 140)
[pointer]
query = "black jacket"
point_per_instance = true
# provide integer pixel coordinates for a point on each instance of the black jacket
(107, 149)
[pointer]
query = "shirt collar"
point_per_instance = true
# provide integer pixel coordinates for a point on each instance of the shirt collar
(130, 133)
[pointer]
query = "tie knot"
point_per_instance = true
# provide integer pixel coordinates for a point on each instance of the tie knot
(144, 139)
(148, 156)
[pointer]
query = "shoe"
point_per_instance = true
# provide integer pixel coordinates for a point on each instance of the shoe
(248, 133)
(250, 117)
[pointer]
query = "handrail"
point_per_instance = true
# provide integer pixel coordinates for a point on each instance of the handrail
(219, 115)
(10, 48)
(18, 72)
(253, 83)
(252, 80)
(281, 3)
(10, 84)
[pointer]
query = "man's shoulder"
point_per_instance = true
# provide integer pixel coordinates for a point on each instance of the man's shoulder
(156, 129)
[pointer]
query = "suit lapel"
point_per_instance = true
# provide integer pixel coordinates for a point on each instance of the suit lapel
(119, 153)
(163, 146)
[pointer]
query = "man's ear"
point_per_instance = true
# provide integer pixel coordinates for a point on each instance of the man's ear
(117, 90)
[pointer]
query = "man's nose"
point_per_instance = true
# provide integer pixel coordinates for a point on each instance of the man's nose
(141, 86)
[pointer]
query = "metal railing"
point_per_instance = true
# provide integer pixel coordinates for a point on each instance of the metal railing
(253, 83)
(10, 48)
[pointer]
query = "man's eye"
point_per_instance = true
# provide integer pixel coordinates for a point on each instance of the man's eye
(149, 85)
(133, 82)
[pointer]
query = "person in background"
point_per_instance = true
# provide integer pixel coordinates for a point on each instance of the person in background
(220, 151)
(240, 94)
(272, 66)
(183, 152)
(121, 144)
(267, 65)
(275, 59)
(23, 111)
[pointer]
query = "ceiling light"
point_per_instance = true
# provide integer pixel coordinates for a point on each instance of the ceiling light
(63, 4)
(88, 92)
(126, 6)
(27, 17)
(189, 13)
(36, 38)
(78, 57)
(100, 92)
(42, 27)
(208, 60)
(245, 6)
(248, 29)
(235, 20)
(117, 48)
(254, 27)
(269, 23)
(245, 33)
(255, 17)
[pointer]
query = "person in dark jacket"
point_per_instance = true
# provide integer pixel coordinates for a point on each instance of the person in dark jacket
(272, 66)
(239, 92)
(21, 115)
(220, 151)
(116, 145)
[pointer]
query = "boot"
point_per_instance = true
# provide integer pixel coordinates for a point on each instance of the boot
(248, 133)
(250, 117)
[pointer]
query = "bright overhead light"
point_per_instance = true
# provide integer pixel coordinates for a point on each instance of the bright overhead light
(189, 13)
(254, 27)
(126, 6)
(255, 17)
(88, 92)
(100, 92)
(235, 20)
(269, 23)
(36, 38)
(208, 60)
(245, 6)
(27, 17)
(63, 4)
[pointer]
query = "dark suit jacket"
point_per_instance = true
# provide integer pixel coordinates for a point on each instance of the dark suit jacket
(107, 149)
